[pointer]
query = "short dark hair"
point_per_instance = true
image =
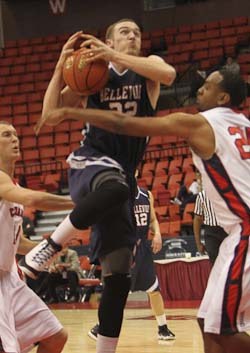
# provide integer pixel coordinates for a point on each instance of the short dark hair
(234, 85)
(110, 29)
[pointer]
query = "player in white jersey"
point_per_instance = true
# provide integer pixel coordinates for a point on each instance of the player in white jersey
(220, 141)
(24, 318)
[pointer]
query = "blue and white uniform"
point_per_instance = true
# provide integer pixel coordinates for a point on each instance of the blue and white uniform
(143, 273)
(102, 150)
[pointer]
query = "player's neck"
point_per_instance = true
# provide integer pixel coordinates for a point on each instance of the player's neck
(119, 68)
(8, 168)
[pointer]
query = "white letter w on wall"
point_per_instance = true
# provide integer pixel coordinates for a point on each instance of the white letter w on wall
(57, 6)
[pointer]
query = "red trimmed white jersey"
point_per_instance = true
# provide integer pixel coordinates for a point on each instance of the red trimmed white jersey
(226, 176)
(225, 306)
(11, 228)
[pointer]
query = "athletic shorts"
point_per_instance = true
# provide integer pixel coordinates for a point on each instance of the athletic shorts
(25, 319)
(225, 307)
(85, 163)
(143, 272)
(117, 228)
(213, 236)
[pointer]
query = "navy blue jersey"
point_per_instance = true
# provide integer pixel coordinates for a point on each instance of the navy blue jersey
(142, 214)
(127, 93)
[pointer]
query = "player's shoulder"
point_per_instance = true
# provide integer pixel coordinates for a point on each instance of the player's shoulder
(6, 183)
(216, 112)
(143, 191)
(3, 179)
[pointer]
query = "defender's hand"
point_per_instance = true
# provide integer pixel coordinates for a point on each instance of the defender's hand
(54, 117)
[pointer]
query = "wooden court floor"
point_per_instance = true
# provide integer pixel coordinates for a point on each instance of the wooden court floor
(139, 331)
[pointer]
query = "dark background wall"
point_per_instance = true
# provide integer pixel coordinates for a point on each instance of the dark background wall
(202, 12)
(34, 18)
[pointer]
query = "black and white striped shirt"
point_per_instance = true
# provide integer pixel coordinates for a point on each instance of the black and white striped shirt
(203, 207)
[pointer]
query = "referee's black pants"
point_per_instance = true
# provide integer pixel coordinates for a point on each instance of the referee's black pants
(213, 236)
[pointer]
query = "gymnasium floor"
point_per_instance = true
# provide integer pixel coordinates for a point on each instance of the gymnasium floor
(139, 331)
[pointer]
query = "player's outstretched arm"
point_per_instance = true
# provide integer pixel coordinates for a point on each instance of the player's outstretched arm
(194, 128)
(40, 200)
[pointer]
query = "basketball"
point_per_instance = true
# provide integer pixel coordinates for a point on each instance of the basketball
(84, 78)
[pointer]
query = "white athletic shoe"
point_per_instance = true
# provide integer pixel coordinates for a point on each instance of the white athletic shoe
(39, 257)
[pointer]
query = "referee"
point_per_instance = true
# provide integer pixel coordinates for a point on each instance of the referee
(213, 233)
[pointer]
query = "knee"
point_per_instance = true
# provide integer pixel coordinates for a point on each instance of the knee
(54, 343)
(211, 337)
(118, 284)
(63, 336)
(153, 294)
(90, 209)
(117, 189)
(113, 182)
(201, 323)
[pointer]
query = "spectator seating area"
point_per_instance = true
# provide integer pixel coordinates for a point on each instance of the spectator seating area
(26, 67)
(205, 43)
(164, 178)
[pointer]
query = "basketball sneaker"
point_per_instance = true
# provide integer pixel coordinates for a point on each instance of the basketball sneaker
(39, 257)
(165, 334)
(94, 332)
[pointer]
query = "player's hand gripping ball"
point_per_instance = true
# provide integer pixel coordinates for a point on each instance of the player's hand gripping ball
(85, 78)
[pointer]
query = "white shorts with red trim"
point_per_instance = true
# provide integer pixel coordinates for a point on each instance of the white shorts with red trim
(24, 318)
(225, 306)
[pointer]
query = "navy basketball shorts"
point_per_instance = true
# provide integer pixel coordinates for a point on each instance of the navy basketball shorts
(143, 272)
(85, 163)
(116, 228)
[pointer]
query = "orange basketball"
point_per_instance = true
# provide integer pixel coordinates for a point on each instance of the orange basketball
(85, 78)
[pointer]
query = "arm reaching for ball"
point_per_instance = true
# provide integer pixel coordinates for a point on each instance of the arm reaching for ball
(58, 94)
(193, 127)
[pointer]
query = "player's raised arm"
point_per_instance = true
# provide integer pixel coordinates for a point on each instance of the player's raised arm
(57, 94)
(152, 67)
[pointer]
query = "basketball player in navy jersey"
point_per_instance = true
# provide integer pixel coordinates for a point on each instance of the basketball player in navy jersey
(220, 142)
(101, 176)
(143, 273)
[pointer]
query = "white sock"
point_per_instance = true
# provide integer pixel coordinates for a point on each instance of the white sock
(161, 320)
(64, 232)
(106, 344)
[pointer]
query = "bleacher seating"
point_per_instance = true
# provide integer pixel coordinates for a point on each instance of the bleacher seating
(26, 67)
